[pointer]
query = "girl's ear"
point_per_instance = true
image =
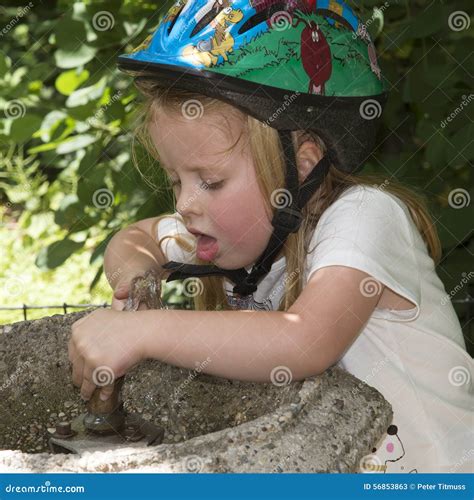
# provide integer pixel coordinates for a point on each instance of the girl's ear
(307, 157)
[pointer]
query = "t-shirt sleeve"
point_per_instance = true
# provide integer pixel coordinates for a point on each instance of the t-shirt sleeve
(170, 227)
(367, 229)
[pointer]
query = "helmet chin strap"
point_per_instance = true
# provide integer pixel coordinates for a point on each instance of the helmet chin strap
(287, 219)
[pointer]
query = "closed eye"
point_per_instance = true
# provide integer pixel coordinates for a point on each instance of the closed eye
(204, 185)
(213, 186)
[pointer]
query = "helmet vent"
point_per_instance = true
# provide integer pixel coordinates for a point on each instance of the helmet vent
(203, 22)
(173, 22)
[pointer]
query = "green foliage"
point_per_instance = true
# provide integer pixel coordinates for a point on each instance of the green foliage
(67, 116)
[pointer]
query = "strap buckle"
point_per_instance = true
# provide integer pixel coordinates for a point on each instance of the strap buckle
(287, 219)
(246, 287)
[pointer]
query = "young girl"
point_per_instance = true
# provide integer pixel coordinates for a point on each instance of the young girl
(262, 113)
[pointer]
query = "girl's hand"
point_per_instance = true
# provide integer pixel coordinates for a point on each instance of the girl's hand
(104, 345)
(125, 286)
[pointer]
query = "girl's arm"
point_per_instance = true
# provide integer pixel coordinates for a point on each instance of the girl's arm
(257, 346)
(132, 249)
(247, 345)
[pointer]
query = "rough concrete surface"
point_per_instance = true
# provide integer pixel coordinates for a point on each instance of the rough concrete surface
(327, 423)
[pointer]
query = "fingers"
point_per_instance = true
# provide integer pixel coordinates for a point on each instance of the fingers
(118, 305)
(88, 387)
(122, 290)
(106, 392)
(77, 371)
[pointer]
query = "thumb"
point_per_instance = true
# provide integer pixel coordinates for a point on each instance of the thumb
(121, 292)
(106, 392)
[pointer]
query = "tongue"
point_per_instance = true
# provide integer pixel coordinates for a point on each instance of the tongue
(206, 248)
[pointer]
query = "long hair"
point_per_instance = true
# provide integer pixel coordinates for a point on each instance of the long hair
(267, 153)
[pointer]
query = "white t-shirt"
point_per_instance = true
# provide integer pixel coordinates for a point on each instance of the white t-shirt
(415, 358)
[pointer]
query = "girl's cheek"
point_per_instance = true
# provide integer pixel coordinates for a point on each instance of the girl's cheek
(236, 215)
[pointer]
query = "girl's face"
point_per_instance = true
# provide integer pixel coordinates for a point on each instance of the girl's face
(216, 191)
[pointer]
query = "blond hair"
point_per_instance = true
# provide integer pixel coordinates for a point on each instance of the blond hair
(267, 153)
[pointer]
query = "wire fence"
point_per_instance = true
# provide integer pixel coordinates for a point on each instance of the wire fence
(468, 300)
(63, 306)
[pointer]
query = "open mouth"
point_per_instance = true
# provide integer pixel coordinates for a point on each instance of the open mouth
(207, 247)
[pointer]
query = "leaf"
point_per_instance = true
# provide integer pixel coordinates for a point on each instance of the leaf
(91, 183)
(5, 64)
(43, 148)
(67, 212)
(73, 58)
(75, 143)
(71, 215)
(96, 278)
(51, 120)
(69, 33)
(57, 253)
(99, 250)
(68, 81)
(87, 94)
(24, 127)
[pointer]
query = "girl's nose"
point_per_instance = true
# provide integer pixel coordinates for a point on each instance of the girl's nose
(189, 202)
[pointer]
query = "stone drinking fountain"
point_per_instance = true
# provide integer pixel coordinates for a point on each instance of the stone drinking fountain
(187, 421)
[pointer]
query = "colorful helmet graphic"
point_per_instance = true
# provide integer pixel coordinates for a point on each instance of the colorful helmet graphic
(293, 64)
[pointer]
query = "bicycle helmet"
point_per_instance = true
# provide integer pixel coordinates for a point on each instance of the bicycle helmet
(292, 64)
